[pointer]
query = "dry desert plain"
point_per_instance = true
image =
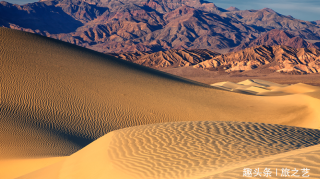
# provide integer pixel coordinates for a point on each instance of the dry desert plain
(70, 113)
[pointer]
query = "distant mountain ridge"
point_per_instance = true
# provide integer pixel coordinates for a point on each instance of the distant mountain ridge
(265, 59)
(277, 37)
(118, 26)
(282, 59)
(267, 19)
(170, 58)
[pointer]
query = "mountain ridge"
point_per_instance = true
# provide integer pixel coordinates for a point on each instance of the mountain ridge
(267, 59)
(170, 58)
(262, 58)
(148, 25)
(277, 37)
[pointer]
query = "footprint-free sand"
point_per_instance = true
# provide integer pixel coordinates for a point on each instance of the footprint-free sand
(189, 150)
(56, 98)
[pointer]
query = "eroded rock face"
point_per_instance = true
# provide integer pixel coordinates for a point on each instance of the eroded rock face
(277, 37)
(277, 58)
(282, 59)
(170, 58)
(117, 26)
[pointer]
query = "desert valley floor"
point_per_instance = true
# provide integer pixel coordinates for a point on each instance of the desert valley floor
(67, 112)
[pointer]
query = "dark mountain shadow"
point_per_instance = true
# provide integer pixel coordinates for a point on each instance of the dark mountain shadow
(317, 44)
(43, 16)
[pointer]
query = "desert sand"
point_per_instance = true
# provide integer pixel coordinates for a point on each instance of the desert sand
(188, 150)
(266, 88)
(12, 168)
(307, 158)
(56, 98)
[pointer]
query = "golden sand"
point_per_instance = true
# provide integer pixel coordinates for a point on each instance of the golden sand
(13, 168)
(187, 150)
(56, 98)
(265, 88)
(298, 160)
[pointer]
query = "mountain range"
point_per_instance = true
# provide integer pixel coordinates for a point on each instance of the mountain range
(117, 26)
(262, 58)
(277, 37)
(170, 58)
(279, 58)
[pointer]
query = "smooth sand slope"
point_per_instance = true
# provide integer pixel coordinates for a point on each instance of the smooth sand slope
(12, 168)
(188, 150)
(56, 98)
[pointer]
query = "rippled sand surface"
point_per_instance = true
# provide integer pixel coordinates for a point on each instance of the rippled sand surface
(56, 98)
(189, 150)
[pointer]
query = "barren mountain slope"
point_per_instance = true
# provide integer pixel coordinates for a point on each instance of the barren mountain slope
(268, 19)
(277, 37)
(267, 59)
(115, 26)
(141, 25)
(170, 58)
(133, 29)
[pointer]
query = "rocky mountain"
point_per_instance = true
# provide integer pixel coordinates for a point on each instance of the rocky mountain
(266, 59)
(277, 37)
(170, 58)
(267, 19)
(231, 8)
(148, 25)
(279, 58)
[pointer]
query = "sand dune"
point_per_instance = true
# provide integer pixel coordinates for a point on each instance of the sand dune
(261, 83)
(298, 88)
(186, 150)
(56, 98)
(265, 88)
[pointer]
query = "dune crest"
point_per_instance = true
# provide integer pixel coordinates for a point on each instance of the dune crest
(184, 150)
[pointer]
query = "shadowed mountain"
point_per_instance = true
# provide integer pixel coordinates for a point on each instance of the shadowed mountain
(148, 25)
(277, 37)
(316, 22)
(39, 17)
(138, 29)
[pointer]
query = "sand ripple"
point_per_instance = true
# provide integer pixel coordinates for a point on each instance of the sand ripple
(308, 158)
(183, 149)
